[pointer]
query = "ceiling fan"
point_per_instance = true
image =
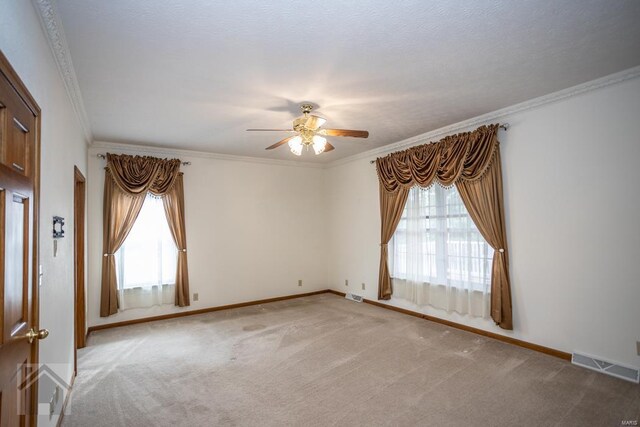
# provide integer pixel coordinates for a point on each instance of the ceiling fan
(310, 134)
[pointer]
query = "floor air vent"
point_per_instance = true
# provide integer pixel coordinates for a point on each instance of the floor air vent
(609, 368)
(354, 297)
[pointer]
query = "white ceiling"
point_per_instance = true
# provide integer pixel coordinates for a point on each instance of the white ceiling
(195, 74)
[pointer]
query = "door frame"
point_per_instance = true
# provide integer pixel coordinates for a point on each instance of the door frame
(16, 82)
(79, 246)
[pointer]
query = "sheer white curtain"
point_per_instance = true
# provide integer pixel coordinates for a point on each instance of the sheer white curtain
(437, 255)
(146, 262)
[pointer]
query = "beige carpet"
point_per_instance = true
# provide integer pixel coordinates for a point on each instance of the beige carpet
(322, 360)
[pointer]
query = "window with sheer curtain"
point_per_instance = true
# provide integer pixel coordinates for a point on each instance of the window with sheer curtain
(146, 261)
(437, 255)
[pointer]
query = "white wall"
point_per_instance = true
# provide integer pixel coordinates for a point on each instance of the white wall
(253, 230)
(572, 199)
(25, 45)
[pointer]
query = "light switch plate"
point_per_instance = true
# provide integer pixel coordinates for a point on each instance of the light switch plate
(196, 297)
(346, 282)
(363, 286)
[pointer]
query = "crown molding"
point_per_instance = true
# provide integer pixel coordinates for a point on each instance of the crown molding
(498, 115)
(493, 116)
(169, 152)
(52, 26)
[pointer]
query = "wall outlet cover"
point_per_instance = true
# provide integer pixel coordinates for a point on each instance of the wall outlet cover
(346, 282)
(638, 347)
(363, 286)
(300, 282)
(196, 297)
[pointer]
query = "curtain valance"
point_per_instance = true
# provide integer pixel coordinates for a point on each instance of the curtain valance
(464, 156)
(141, 174)
(471, 162)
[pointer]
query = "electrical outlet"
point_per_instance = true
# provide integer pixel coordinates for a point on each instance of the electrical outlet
(346, 282)
(638, 347)
(196, 296)
(300, 282)
(363, 286)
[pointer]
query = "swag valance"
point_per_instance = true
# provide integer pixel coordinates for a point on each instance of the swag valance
(465, 156)
(471, 162)
(142, 174)
(128, 179)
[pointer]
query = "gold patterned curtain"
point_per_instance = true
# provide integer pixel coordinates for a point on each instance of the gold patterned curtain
(471, 162)
(119, 213)
(173, 202)
(127, 181)
(391, 207)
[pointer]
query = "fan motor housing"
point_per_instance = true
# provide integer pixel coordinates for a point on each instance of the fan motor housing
(298, 123)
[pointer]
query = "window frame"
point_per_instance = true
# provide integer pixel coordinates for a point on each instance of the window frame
(440, 233)
(120, 255)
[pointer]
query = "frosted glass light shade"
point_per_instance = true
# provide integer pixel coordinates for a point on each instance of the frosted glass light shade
(295, 145)
(319, 144)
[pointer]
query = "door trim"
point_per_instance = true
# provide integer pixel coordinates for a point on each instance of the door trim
(14, 80)
(79, 245)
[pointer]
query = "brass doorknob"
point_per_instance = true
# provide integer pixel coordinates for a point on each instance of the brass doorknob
(36, 335)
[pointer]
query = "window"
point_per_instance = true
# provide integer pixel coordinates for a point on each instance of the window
(437, 244)
(147, 258)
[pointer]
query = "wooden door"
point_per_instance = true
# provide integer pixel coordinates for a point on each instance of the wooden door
(19, 175)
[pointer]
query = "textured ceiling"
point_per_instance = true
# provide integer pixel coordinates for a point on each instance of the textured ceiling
(195, 74)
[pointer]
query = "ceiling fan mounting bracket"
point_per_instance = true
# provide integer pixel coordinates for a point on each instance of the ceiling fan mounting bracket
(306, 108)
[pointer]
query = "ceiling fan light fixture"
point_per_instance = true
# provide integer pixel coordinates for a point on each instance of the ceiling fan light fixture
(295, 145)
(310, 133)
(319, 144)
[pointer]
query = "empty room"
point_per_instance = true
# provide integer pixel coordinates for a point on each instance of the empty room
(321, 213)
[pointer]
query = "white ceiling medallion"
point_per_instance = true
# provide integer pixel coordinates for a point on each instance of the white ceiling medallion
(55, 34)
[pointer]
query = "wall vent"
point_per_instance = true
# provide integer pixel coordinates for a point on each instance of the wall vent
(354, 297)
(609, 368)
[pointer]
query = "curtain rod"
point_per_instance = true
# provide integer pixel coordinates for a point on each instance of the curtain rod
(504, 126)
(103, 156)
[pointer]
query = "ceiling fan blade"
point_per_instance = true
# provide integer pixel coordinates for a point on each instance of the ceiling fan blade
(328, 147)
(270, 130)
(345, 132)
(314, 122)
(279, 143)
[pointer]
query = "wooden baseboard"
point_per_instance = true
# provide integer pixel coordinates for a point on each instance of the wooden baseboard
(66, 400)
(200, 311)
(531, 346)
